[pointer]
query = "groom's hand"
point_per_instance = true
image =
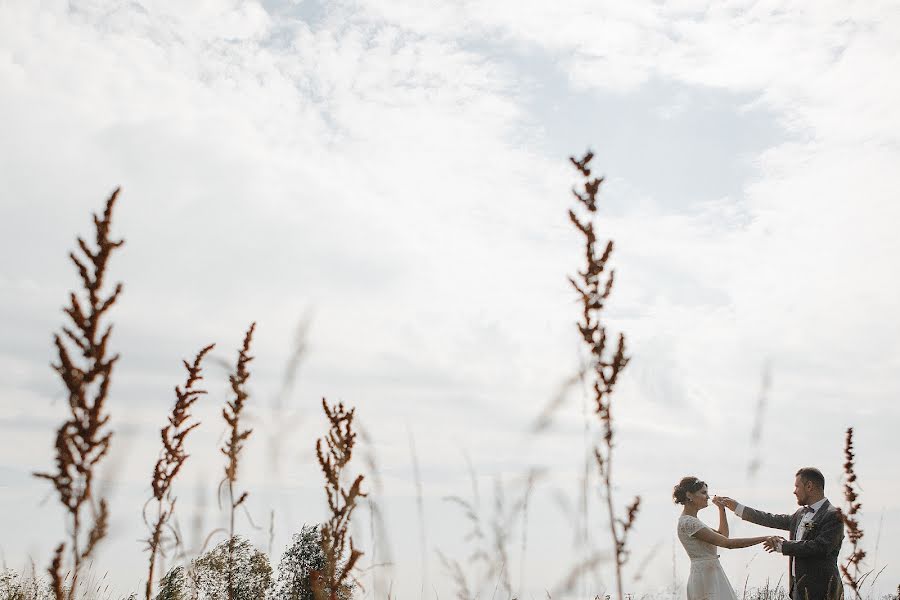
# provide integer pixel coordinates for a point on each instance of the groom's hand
(773, 544)
(725, 501)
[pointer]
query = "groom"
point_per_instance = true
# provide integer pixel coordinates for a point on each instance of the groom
(816, 532)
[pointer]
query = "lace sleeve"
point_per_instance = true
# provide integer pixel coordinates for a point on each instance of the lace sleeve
(691, 526)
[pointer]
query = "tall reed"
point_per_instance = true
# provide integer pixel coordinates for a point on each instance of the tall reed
(758, 421)
(381, 554)
(594, 287)
(232, 413)
(334, 452)
(85, 369)
(851, 567)
(172, 458)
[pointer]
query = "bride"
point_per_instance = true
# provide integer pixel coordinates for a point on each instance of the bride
(707, 580)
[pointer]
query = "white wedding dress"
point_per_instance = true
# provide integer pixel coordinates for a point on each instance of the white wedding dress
(707, 580)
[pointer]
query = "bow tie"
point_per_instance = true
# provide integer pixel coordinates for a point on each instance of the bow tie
(808, 509)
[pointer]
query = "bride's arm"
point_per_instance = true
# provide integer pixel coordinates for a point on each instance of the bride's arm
(717, 539)
(723, 521)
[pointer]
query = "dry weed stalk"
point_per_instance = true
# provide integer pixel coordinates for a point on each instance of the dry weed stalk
(545, 419)
(458, 575)
(474, 534)
(172, 457)
(235, 443)
(758, 421)
(334, 452)
(594, 290)
(851, 568)
(579, 570)
(56, 577)
(420, 511)
(378, 529)
(285, 421)
(491, 538)
(83, 439)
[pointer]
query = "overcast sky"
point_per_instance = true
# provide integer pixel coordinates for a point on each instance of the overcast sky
(394, 175)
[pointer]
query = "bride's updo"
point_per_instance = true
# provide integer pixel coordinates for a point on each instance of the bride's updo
(685, 486)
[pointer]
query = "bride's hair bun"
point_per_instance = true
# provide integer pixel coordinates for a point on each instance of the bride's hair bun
(686, 485)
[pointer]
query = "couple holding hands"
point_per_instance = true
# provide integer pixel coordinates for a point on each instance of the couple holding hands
(815, 532)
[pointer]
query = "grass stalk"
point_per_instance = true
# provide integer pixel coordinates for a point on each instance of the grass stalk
(172, 458)
(232, 413)
(594, 287)
(334, 452)
(85, 368)
(851, 569)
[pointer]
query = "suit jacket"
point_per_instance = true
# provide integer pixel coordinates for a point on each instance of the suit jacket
(814, 558)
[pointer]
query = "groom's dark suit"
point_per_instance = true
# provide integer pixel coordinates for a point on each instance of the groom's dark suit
(813, 571)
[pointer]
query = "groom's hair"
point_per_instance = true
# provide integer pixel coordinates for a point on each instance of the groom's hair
(812, 475)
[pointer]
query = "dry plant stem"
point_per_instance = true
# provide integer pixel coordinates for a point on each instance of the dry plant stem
(459, 577)
(594, 287)
(56, 577)
(334, 452)
(420, 511)
(172, 458)
(851, 568)
(86, 370)
(235, 442)
(758, 422)
(381, 552)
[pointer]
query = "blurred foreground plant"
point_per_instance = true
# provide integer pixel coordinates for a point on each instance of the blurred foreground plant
(85, 369)
(334, 452)
(172, 458)
(605, 366)
(851, 568)
(232, 413)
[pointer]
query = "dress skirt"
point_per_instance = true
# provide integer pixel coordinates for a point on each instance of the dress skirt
(708, 581)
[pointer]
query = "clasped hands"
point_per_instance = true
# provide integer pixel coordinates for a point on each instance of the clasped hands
(772, 544)
(724, 502)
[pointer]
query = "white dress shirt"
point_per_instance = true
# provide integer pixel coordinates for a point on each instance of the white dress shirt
(801, 529)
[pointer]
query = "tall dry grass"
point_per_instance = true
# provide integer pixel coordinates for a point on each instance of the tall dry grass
(594, 286)
(851, 569)
(334, 452)
(172, 458)
(234, 444)
(381, 553)
(85, 368)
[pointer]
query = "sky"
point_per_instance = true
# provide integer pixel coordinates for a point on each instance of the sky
(385, 186)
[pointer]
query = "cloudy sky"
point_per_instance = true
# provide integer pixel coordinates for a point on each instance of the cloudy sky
(391, 178)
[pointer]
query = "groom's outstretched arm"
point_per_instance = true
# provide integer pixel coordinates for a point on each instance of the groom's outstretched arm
(763, 518)
(754, 516)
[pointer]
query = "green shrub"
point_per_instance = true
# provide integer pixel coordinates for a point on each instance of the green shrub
(236, 571)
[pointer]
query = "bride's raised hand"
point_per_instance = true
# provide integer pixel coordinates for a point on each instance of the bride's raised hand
(727, 502)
